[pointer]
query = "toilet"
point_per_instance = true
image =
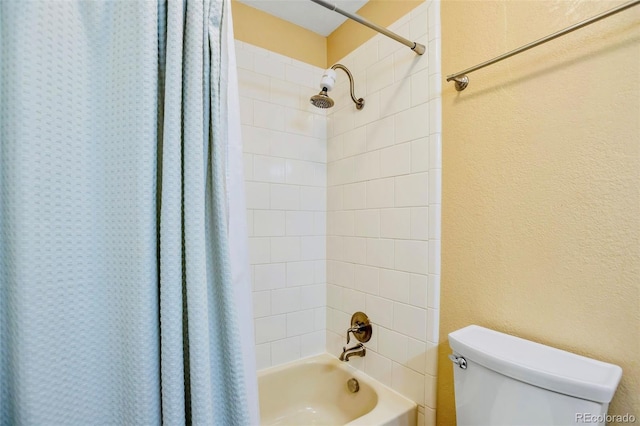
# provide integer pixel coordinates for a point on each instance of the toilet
(505, 380)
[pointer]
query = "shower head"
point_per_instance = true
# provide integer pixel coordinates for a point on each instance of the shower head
(322, 100)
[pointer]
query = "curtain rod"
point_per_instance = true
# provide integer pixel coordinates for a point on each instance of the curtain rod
(416, 47)
(461, 79)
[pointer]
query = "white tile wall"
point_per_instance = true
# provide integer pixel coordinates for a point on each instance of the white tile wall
(383, 207)
(344, 207)
(285, 171)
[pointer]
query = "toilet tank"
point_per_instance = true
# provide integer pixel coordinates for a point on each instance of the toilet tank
(512, 381)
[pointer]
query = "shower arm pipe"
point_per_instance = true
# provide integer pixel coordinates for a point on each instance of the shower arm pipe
(461, 80)
(359, 102)
(416, 47)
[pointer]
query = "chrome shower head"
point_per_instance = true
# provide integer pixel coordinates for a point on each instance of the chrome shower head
(322, 100)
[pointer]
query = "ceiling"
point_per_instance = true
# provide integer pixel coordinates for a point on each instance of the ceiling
(307, 14)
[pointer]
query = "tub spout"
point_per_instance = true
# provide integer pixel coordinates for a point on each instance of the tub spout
(357, 350)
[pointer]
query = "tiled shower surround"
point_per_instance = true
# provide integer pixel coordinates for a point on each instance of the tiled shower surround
(344, 205)
(284, 141)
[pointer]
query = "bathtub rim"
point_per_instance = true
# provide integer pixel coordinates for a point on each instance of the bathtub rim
(390, 405)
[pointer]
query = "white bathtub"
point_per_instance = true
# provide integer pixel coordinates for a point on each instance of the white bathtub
(313, 391)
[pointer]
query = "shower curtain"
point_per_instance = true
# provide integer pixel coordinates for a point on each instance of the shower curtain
(124, 288)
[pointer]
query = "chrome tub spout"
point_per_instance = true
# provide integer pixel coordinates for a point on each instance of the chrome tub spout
(357, 350)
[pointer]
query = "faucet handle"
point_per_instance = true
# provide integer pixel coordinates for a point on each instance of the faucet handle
(354, 330)
(360, 327)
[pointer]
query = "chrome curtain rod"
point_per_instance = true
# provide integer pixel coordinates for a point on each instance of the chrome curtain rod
(461, 79)
(416, 47)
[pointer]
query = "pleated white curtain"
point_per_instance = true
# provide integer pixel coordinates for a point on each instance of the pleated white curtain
(124, 290)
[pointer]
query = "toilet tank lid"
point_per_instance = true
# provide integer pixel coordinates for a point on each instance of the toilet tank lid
(537, 364)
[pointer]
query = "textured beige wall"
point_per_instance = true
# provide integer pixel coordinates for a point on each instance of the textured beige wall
(541, 183)
(258, 28)
(351, 35)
